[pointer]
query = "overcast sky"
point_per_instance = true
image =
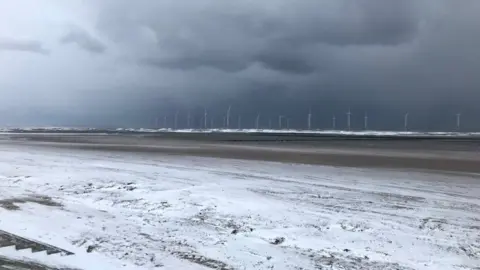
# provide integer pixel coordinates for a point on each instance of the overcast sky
(123, 62)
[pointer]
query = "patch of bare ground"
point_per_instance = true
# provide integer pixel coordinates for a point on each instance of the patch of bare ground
(178, 248)
(12, 203)
(346, 260)
(202, 260)
(466, 267)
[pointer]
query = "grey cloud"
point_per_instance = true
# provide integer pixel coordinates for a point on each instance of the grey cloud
(84, 40)
(285, 63)
(22, 46)
(222, 36)
(194, 63)
(371, 55)
(281, 57)
(363, 22)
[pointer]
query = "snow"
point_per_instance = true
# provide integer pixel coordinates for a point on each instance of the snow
(145, 211)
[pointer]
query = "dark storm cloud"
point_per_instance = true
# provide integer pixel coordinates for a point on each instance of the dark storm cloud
(369, 55)
(384, 57)
(185, 63)
(233, 37)
(343, 23)
(284, 63)
(83, 39)
(22, 46)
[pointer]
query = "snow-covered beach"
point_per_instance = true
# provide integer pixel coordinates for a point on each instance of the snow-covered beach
(138, 211)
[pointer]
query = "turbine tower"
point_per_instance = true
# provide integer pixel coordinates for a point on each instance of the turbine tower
(334, 122)
(365, 122)
(405, 121)
(189, 120)
(165, 122)
(239, 122)
(348, 119)
(205, 118)
(309, 121)
(459, 115)
(280, 121)
(228, 117)
(257, 121)
(175, 120)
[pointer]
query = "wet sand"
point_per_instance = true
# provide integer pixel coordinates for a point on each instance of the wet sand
(456, 155)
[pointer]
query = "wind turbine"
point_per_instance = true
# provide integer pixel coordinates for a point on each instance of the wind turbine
(257, 121)
(459, 115)
(205, 118)
(189, 120)
(165, 122)
(175, 120)
(280, 121)
(309, 121)
(334, 122)
(288, 123)
(348, 119)
(405, 121)
(365, 121)
(228, 116)
(239, 122)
